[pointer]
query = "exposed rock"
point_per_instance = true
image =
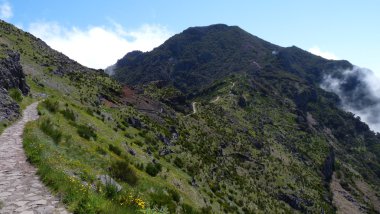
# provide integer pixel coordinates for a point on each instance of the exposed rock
(149, 152)
(11, 76)
(9, 110)
(243, 157)
(175, 134)
(257, 144)
(132, 151)
(136, 123)
(107, 180)
(164, 139)
(194, 182)
(295, 202)
(165, 151)
(242, 102)
(11, 73)
(328, 166)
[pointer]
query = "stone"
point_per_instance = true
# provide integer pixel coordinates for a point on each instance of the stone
(21, 190)
(107, 180)
(27, 212)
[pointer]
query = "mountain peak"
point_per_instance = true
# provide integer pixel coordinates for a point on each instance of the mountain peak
(197, 56)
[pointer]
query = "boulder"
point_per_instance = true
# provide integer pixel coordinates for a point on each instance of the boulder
(106, 180)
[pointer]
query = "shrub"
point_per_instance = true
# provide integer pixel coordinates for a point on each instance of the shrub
(163, 200)
(50, 105)
(187, 209)
(176, 197)
(114, 149)
(69, 114)
(153, 169)
(178, 162)
(110, 191)
(101, 151)
(49, 128)
(87, 132)
(123, 171)
(16, 94)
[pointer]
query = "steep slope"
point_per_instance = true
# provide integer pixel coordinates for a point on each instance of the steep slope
(88, 145)
(264, 136)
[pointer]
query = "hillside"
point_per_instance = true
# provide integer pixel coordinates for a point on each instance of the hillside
(266, 128)
(215, 120)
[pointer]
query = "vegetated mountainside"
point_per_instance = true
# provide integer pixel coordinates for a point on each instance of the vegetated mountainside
(264, 136)
(90, 142)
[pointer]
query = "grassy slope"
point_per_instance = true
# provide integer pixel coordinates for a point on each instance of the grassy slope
(68, 164)
(240, 159)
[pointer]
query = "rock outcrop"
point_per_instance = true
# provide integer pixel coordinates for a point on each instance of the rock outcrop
(11, 76)
(328, 166)
(9, 110)
(11, 73)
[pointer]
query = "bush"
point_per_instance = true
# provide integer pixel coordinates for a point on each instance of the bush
(178, 162)
(153, 169)
(187, 209)
(87, 132)
(69, 114)
(176, 197)
(123, 171)
(114, 149)
(101, 151)
(110, 191)
(50, 105)
(49, 128)
(16, 94)
(163, 200)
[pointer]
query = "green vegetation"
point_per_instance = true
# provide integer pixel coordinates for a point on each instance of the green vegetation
(51, 129)
(153, 169)
(124, 172)
(265, 146)
(16, 94)
(87, 132)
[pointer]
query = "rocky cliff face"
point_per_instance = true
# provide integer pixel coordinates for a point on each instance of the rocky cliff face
(11, 73)
(11, 76)
(9, 110)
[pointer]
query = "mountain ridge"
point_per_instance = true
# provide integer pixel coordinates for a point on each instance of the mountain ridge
(230, 124)
(196, 62)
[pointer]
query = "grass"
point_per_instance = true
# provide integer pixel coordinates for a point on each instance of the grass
(83, 158)
(123, 171)
(215, 166)
(16, 94)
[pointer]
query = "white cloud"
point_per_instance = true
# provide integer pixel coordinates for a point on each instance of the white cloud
(317, 51)
(359, 91)
(99, 46)
(5, 11)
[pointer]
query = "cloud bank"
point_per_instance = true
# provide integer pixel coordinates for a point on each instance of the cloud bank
(5, 11)
(99, 46)
(327, 55)
(359, 91)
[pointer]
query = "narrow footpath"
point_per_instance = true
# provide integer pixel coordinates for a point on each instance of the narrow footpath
(21, 190)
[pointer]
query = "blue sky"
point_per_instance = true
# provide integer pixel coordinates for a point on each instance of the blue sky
(97, 33)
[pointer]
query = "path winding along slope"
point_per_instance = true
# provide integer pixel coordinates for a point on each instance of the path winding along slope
(21, 191)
